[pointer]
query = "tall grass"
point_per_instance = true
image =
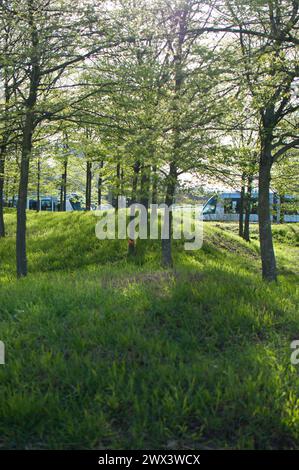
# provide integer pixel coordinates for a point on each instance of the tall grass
(105, 353)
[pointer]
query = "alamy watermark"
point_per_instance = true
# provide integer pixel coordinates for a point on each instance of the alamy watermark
(295, 354)
(158, 221)
(2, 353)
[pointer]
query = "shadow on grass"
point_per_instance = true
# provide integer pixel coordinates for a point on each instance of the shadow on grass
(199, 359)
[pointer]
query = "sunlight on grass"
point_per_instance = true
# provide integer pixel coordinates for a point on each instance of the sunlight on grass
(116, 355)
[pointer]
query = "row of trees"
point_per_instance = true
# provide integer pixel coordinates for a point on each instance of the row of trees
(142, 93)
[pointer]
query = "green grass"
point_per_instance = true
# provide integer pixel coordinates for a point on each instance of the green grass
(282, 233)
(104, 353)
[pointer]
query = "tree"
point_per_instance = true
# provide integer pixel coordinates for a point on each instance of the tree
(48, 48)
(193, 99)
(271, 71)
(6, 76)
(267, 33)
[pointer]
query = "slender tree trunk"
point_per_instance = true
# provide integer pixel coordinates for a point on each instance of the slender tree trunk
(117, 188)
(3, 149)
(136, 169)
(144, 200)
(122, 181)
(241, 211)
(63, 188)
(2, 169)
(38, 185)
(99, 191)
(100, 182)
(169, 196)
(6, 187)
(154, 185)
(61, 195)
(281, 210)
(15, 178)
(265, 231)
(144, 186)
(65, 184)
(14, 189)
(246, 234)
(88, 185)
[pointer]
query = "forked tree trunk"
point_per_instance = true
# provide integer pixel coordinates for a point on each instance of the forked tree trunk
(264, 212)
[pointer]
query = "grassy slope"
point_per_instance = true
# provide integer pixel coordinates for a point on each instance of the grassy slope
(102, 353)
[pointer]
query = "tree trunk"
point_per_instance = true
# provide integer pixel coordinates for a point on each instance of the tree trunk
(136, 169)
(38, 185)
(26, 148)
(241, 210)
(117, 186)
(144, 186)
(122, 181)
(265, 231)
(88, 185)
(281, 209)
(63, 186)
(3, 150)
(166, 241)
(14, 189)
(246, 234)
(144, 200)
(22, 196)
(2, 168)
(154, 185)
(181, 25)
(99, 191)
(100, 182)
(61, 195)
